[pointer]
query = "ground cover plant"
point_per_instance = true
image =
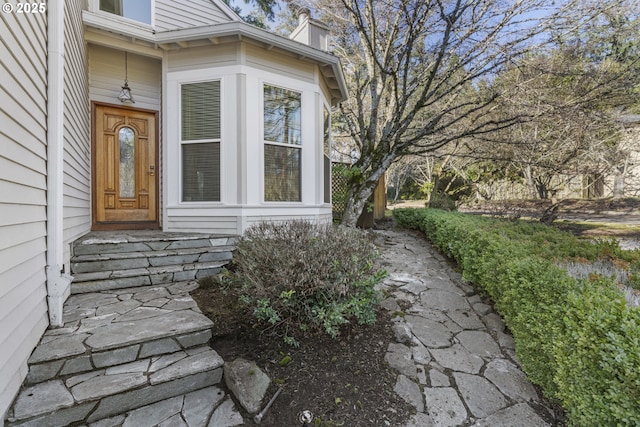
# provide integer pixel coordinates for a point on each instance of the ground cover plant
(576, 338)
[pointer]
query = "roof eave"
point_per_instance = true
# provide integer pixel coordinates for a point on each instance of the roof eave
(244, 30)
(180, 38)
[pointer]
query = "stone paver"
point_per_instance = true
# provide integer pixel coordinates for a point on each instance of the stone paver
(108, 328)
(247, 382)
(455, 362)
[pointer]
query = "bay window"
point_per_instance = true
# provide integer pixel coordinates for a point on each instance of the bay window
(282, 144)
(200, 141)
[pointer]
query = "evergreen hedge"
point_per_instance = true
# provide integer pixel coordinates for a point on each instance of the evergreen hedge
(577, 339)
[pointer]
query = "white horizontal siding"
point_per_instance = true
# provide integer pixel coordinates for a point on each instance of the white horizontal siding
(13, 214)
(77, 130)
(107, 73)
(172, 15)
(23, 88)
(203, 224)
(203, 57)
(322, 219)
(280, 64)
(23, 316)
(191, 222)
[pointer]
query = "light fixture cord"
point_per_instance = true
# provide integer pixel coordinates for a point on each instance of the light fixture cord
(126, 67)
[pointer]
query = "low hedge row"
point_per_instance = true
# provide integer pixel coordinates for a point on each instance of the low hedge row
(577, 339)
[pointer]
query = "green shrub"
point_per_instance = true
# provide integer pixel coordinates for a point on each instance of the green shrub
(576, 338)
(298, 275)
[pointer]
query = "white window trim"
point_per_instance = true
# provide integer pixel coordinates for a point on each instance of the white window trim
(301, 91)
(220, 140)
(94, 7)
(326, 107)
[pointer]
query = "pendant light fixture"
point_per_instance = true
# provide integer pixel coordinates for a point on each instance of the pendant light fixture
(125, 94)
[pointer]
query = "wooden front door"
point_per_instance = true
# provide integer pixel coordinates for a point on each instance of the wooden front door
(124, 168)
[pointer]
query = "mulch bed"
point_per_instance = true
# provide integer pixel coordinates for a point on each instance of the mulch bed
(343, 381)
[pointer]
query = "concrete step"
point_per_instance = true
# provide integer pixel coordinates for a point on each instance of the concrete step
(110, 328)
(105, 393)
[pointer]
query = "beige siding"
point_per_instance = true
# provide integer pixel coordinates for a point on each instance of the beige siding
(203, 57)
(171, 15)
(278, 63)
(204, 224)
(77, 130)
(320, 219)
(23, 310)
(107, 73)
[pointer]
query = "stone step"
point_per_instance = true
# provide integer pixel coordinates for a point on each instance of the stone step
(110, 328)
(113, 260)
(108, 392)
(145, 241)
(124, 260)
(209, 406)
(148, 276)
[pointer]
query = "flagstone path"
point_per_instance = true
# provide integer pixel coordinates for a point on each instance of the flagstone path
(456, 362)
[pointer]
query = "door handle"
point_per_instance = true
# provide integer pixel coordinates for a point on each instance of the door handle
(152, 170)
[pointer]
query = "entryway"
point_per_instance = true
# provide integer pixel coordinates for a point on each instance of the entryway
(124, 161)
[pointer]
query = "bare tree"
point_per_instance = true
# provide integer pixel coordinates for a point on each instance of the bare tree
(414, 68)
(572, 94)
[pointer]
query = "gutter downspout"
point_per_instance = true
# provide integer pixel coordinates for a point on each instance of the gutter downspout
(58, 283)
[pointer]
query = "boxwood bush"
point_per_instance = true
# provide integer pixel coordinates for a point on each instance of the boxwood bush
(577, 339)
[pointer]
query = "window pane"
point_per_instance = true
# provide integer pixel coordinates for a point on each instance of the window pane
(201, 172)
(111, 6)
(138, 10)
(201, 111)
(281, 174)
(127, 175)
(282, 116)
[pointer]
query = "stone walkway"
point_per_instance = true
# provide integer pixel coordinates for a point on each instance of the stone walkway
(456, 364)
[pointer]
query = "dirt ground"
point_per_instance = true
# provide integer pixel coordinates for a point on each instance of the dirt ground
(343, 381)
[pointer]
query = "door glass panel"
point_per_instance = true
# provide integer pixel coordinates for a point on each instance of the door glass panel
(127, 163)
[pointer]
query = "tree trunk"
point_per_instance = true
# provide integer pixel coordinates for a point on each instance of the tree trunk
(618, 183)
(356, 201)
(531, 185)
(359, 193)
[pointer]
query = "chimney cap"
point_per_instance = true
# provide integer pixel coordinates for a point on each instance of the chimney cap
(304, 14)
(304, 11)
